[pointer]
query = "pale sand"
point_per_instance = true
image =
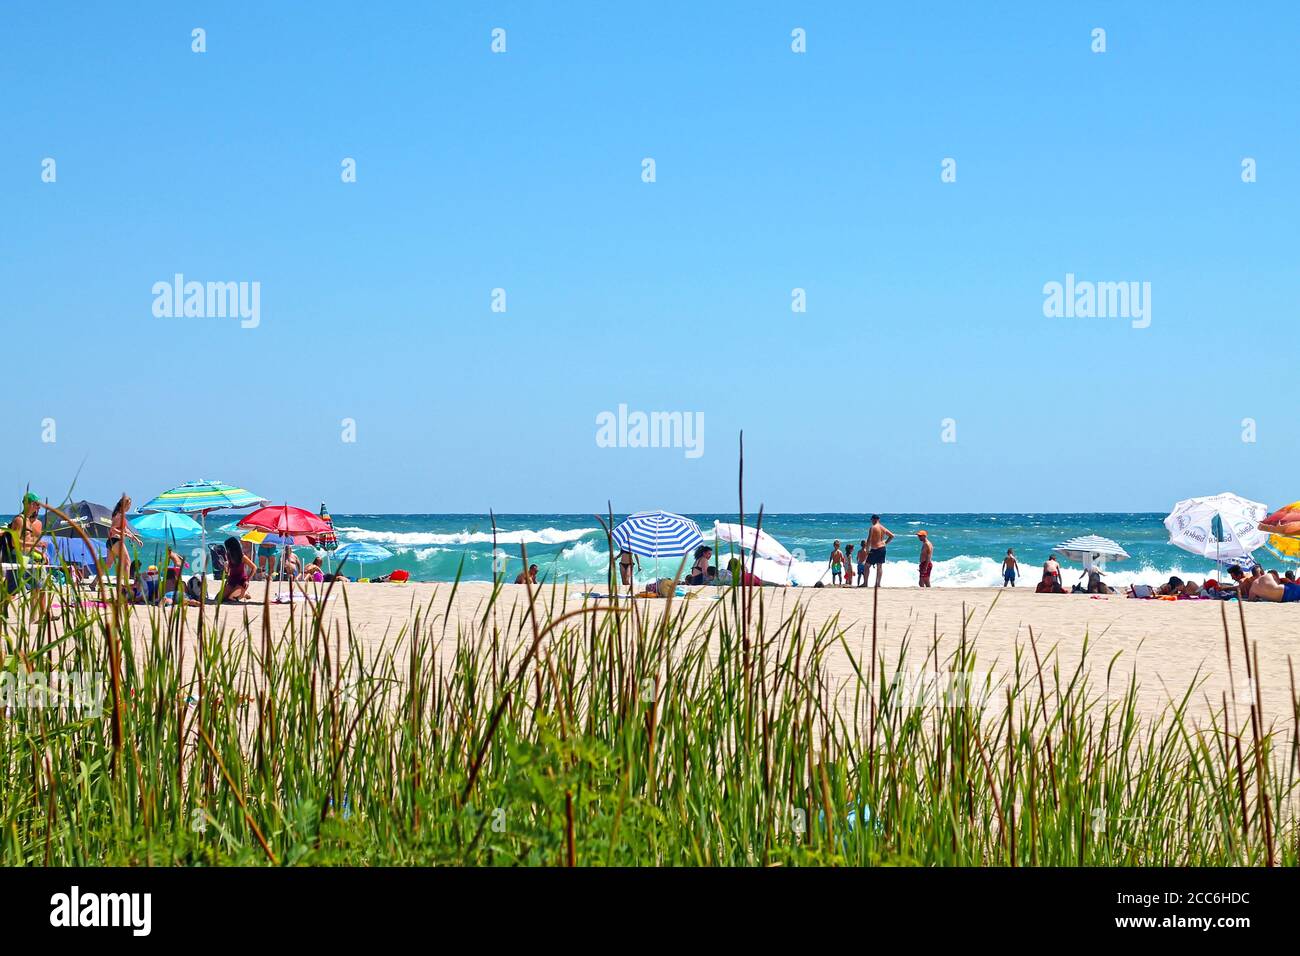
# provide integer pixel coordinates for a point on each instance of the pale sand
(1168, 641)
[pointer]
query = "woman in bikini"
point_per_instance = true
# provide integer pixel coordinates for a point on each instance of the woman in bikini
(119, 533)
(625, 559)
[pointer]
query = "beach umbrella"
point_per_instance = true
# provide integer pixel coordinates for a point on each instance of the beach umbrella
(277, 540)
(167, 526)
(752, 539)
(329, 541)
(94, 519)
(1217, 527)
(284, 520)
(201, 497)
(1283, 529)
(361, 552)
(657, 534)
(1089, 548)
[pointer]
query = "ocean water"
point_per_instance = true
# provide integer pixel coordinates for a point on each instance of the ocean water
(968, 547)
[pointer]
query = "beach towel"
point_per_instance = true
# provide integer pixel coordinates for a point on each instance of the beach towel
(297, 597)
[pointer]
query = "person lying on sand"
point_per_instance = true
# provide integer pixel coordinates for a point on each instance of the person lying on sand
(1268, 588)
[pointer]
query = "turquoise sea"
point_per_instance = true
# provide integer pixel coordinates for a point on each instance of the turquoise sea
(968, 547)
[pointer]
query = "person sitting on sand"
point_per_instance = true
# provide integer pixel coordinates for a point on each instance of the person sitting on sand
(1095, 584)
(239, 571)
(530, 575)
(138, 593)
(315, 571)
(1267, 588)
(926, 564)
(625, 559)
(700, 569)
(836, 564)
(740, 576)
(1051, 583)
(1010, 568)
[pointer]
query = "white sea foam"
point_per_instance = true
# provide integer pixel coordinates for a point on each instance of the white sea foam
(414, 538)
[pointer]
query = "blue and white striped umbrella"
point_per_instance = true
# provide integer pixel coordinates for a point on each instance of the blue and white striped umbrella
(1089, 548)
(657, 534)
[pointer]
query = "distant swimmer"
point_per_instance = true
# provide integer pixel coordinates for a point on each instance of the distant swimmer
(878, 536)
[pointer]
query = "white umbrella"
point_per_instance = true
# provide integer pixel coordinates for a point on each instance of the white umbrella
(1217, 527)
(760, 542)
(1091, 548)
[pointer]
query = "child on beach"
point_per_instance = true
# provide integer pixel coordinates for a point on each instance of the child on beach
(848, 566)
(862, 563)
(1010, 568)
(837, 564)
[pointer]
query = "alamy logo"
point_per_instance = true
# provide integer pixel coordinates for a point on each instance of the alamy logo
(1098, 300)
(208, 300)
(651, 430)
(80, 691)
(75, 908)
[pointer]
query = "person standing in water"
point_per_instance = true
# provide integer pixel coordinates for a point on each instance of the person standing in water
(837, 564)
(877, 538)
(1010, 568)
(927, 558)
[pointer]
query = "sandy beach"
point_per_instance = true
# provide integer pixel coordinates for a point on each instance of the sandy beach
(1169, 644)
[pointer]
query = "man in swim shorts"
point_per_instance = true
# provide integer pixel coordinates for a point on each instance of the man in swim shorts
(1266, 588)
(927, 558)
(877, 537)
(1010, 568)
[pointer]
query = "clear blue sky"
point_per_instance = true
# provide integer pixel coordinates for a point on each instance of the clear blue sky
(774, 171)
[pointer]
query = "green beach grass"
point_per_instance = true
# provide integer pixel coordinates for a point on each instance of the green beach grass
(607, 736)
